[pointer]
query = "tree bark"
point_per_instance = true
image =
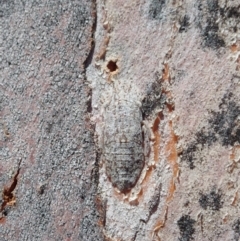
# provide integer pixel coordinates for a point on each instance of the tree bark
(120, 120)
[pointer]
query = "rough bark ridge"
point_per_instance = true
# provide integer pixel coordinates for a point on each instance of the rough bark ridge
(64, 65)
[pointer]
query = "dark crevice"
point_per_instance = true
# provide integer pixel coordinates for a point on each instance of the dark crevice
(135, 236)
(184, 24)
(89, 102)
(95, 170)
(7, 195)
(89, 58)
(112, 66)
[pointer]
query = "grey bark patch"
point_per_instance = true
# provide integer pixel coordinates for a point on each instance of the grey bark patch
(154, 202)
(154, 97)
(211, 37)
(210, 32)
(202, 138)
(212, 200)
(123, 144)
(233, 12)
(189, 155)
(8, 7)
(213, 19)
(236, 229)
(186, 227)
(155, 9)
(223, 126)
(226, 123)
(184, 24)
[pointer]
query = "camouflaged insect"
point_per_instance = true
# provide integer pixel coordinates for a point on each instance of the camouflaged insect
(123, 150)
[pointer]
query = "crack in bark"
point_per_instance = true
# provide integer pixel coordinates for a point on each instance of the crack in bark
(9, 199)
(89, 58)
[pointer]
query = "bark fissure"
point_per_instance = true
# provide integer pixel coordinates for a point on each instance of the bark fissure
(8, 196)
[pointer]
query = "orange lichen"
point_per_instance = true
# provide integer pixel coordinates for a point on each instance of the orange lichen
(156, 137)
(2, 220)
(172, 156)
(166, 72)
(235, 199)
(234, 47)
(171, 190)
(225, 219)
(101, 207)
(6, 133)
(160, 224)
(171, 151)
(234, 158)
(145, 182)
(103, 48)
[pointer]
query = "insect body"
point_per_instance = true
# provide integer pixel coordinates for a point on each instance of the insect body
(123, 143)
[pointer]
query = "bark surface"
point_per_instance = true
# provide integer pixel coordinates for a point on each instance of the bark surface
(120, 120)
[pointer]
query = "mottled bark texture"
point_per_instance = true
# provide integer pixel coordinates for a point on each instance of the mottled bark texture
(45, 134)
(65, 146)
